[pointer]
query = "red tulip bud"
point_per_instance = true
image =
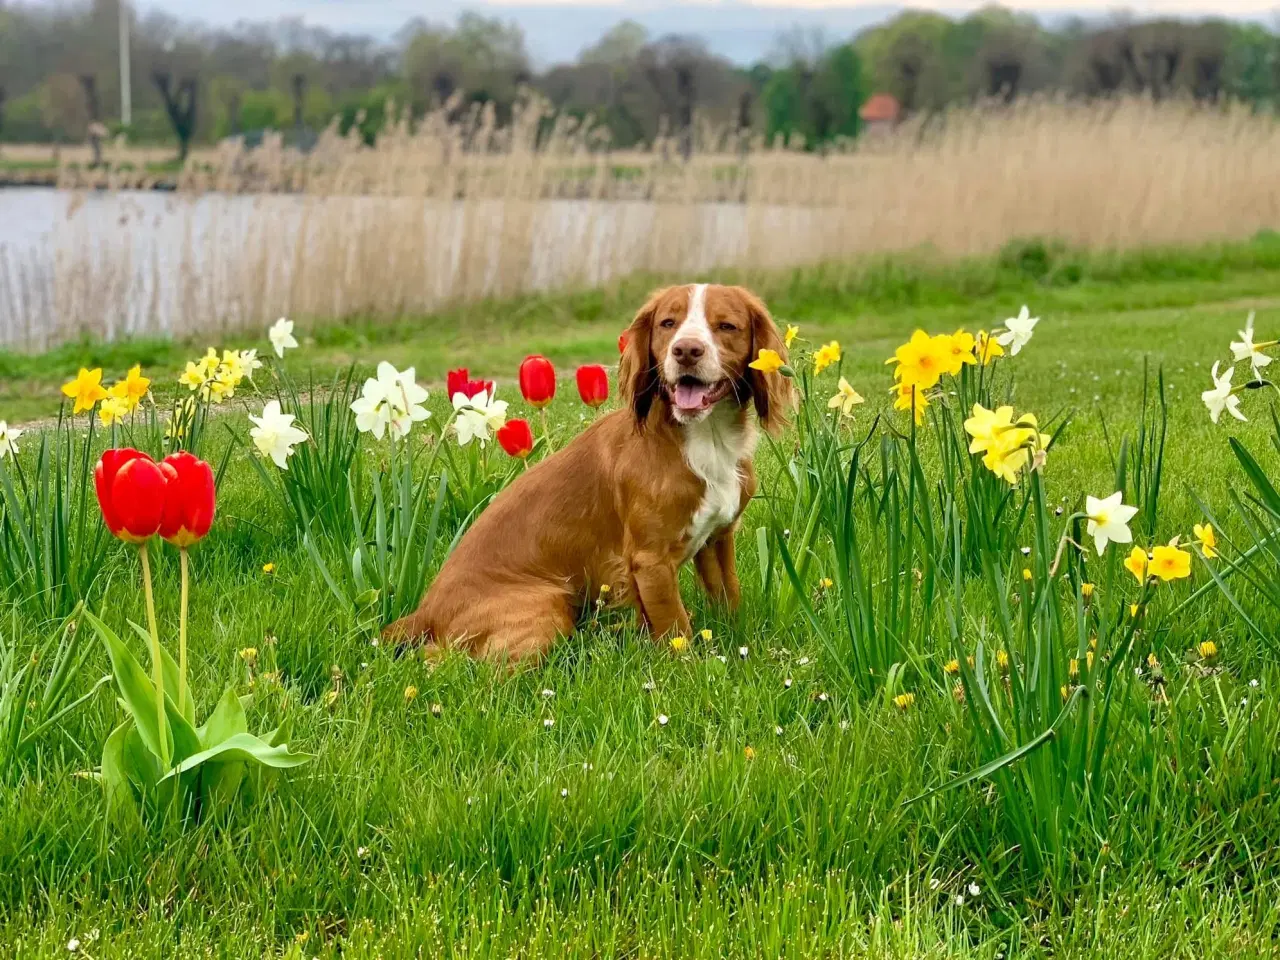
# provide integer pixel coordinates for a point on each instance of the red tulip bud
(459, 381)
(516, 438)
(537, 380)
(593, 384)
(189, 499)
(131, 493)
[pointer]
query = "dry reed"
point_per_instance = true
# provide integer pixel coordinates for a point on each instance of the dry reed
(455, 210)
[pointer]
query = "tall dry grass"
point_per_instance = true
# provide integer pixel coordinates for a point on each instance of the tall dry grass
(454, 210)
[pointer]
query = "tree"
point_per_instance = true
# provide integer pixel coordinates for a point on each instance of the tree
(180, 105)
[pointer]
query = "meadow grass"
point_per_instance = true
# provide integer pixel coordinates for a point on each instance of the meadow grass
(457, 822)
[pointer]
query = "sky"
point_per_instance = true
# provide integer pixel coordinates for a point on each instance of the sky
(742, 30)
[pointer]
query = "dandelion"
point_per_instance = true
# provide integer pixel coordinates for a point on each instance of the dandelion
(845, 399)
(604, 590)
(86, 390)
(1207, 649)
(706, 635)
(1221, 397)
(1086, 590)
(1073, 668)
(73, 945)
(825, 356)
(8, 440)
(904, 701)
(281, 336)
(1171, 562)
(951, 667)
(1108, 520)
(663, 719)
(410, 693)
(749, 753)
(1002, 661)
(548, 693)
(768, 361)
(1026, 574)
(826, 583)
(1018, 331)
(1207, 539)
(678, 643)
(268, 568)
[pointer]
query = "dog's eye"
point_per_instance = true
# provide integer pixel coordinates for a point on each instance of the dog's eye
(667, 324)
(727, 327)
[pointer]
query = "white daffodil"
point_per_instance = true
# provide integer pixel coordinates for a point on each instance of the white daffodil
(281, 336)
(249, 362)
(476, 416)
(8, 440)
(1018, 331)
(274, 434)
(1220, 397)
(392, 400)
(1108, 520)
(470, 424)
(1246, 349)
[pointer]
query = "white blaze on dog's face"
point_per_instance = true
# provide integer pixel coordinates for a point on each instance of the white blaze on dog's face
(701, 344)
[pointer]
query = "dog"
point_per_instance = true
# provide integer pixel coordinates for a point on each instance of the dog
(621, 508)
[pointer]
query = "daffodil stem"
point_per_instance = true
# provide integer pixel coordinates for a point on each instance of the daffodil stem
(182, 635)
(157, 668)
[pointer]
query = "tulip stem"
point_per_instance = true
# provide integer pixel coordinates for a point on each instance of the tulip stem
(157, 669)
(182, 636)
(546, 436)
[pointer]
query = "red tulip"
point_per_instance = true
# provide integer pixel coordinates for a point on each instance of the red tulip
(537, 380)
(188, 501)
(131, 493)
(623, 339)
(516, 438)
(459, 381)
(593, 384)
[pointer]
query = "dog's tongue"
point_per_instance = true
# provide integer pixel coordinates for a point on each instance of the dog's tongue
(691, 396)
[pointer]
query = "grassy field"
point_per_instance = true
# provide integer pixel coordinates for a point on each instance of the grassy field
(765, 817)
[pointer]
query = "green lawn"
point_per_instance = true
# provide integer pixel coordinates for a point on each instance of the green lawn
(459, 823)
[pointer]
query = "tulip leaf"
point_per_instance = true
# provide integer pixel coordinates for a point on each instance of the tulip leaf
(226, 721)
(116, 783)
(242, 746)
(170, 669)
(136, 690)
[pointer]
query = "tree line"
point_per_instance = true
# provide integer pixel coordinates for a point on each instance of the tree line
(59, 73)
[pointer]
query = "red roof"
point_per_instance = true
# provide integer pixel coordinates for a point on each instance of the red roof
(882, 107)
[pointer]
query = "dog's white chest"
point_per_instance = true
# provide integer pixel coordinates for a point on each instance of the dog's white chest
(714, 449)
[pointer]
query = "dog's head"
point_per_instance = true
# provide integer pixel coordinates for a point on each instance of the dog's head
(691, 346)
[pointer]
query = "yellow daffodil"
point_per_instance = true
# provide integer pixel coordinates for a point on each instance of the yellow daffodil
(846, 398)
(922, 360)
(767, 361)
(112, 410)
(987, 348)
(193, 377)
(911, 397)
(1007, 445)
(133, 388)
(86, 389)
(790, 336)
(825, 356)
(1136, 563)
(1207, 539)
(232, 368)
(904, 701)
(1170, 563)
(960, 345)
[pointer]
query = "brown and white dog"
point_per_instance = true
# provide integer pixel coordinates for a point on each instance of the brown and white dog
(632, 498)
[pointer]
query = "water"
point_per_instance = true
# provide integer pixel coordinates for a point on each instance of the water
(110, 265)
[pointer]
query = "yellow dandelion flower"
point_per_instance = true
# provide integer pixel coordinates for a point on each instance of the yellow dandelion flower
(1002, 661)
(678, 643)
(706, 636)
(1086, 590)
(249, 655)
(268, 568)
(951, 667)
(1207, 649)
(749, 753)
(410, 692)
(904, 701)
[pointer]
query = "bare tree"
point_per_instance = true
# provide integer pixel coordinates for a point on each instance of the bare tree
(180, 105)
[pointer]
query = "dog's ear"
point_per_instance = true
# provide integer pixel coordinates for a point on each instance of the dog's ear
(637, 372)
(774, 395)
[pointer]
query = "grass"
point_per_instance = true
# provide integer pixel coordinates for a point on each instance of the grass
(476, 829)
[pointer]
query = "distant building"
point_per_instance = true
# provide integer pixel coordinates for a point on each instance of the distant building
(880, 113)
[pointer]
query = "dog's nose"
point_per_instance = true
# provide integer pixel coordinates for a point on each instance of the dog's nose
(687, 353)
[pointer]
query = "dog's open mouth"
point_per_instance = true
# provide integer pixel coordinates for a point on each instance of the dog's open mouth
(691, 395)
